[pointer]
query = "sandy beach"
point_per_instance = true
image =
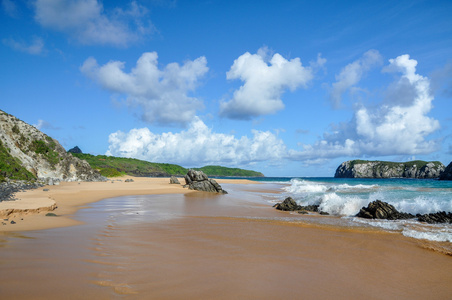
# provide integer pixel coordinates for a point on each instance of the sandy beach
(153, 240)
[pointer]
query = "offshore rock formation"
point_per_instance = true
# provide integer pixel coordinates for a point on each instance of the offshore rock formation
(197, 180)
(37, 156)
(447, 174)
(382, 169)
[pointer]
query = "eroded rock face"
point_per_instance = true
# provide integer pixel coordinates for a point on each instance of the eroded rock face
(382, 169)
(197, 180)
(447, 173)
(41, 155)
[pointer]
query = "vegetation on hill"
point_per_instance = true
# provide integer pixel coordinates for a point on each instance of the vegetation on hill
(10, 167)
(224, 171)
(111, 166)
(418, 163)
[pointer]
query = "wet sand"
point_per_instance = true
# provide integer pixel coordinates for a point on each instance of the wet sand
(203, 246)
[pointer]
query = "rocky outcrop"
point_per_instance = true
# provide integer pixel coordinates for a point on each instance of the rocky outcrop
(10, 187)
(174, 180)
(439, 217)
(382, 210)
(447, 173)
(197, 180)
(290, 204)
(40, 155)
(76, 149)
(382, 169)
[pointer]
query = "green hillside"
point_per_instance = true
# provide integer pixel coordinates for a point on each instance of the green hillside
(10, 167)
(111, 166)
(224, 171)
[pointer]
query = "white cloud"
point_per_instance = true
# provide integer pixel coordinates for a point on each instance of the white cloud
(198, 145)
(86, 21)
(351, 74)
(265, 79)
(397, 128)
(36, 46)
(162, 95)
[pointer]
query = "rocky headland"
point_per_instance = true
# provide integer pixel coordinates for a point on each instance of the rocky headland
(382, 169)
(28, 157)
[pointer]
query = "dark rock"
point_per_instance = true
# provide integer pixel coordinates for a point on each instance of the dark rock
(447, 174)
(197, 180)
(303, 212)
(51, 215)
(439, 217)
(129, 180)
(313, 208)
(76, 149)
(10, 187)
(13, 222)
(45, 190)
(382, 210)
(174, 180)
(324, 213)
(288, 204)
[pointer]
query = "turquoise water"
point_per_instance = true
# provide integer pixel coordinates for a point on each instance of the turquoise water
(344, 197)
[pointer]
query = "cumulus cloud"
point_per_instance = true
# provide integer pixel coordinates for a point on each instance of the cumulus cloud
(86, 21)
(265, 79)
(36, 46)
(162, 95)
(197, 145)
(395, 128)
(351, 74)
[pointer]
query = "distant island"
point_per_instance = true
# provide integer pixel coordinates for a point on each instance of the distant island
(385, 169)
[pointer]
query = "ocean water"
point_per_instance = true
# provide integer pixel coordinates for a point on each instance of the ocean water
(344, 197)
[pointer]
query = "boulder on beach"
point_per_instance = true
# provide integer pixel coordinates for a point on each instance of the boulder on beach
(174, 180)
(197, 180)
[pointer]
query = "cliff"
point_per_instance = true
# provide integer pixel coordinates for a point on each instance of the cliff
(447, 174)
(28, 154)
(383, 169)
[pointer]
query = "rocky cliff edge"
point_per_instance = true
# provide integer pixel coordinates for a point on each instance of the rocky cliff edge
(42, 157)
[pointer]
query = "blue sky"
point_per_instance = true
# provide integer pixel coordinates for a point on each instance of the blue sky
(288, 88)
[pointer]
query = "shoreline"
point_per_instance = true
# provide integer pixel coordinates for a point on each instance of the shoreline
(164, 241)
(29, 211)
